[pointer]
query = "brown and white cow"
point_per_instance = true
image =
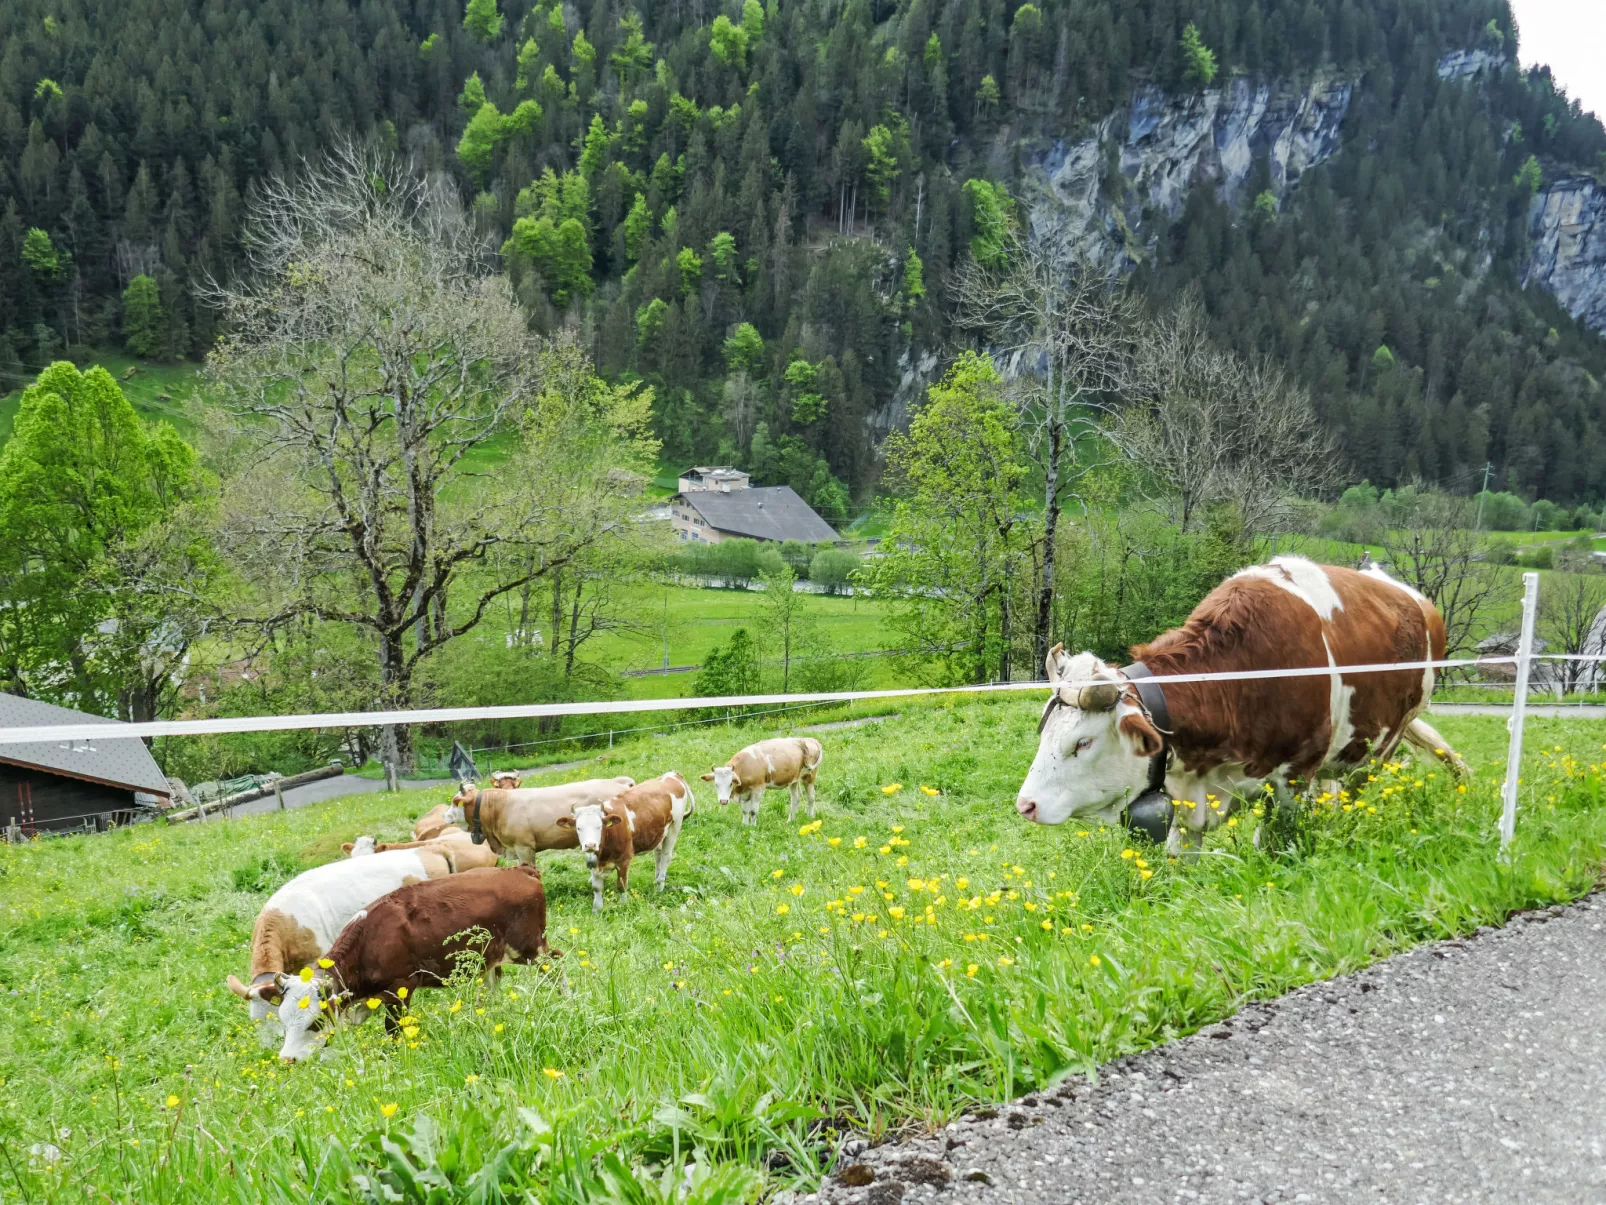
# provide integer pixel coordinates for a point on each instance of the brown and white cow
(792, 762)
(302, 919)
(648, 816)
(433, 823)
(414, 938)
(523, 822)
(453, 844)
(508, 780)
(1099, 742)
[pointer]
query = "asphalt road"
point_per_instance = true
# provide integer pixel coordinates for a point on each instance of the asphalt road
(325, 788)
(1469, 1071)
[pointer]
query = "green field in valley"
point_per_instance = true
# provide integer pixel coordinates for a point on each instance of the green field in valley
(918, 950)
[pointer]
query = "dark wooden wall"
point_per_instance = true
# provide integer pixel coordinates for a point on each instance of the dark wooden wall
(58, 802)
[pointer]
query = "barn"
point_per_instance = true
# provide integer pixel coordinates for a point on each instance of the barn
(61, 786)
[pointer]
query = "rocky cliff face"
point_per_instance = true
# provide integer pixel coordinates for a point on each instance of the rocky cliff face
(1140, 163)
(1567, 221)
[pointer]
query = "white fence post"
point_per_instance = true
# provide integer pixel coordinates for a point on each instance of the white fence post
(1519, 708)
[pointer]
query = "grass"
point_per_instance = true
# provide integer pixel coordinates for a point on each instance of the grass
(788, 987)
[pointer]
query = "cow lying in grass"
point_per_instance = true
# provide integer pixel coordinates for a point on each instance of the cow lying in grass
(302, 919)
(454, 845)
(792, 762)
(523, 822)
(414, 938)
(433, 824)
(646, 817)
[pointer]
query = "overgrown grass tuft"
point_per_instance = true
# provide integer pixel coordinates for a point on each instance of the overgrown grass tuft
(916, 951)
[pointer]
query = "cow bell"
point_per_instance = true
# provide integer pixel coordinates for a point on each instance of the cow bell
(1150, 814)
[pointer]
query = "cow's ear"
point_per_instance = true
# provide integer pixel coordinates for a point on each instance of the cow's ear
(348, 847)
(709, 777)
(612, 820)
(1051, 663)
(565, 822)
(1145, 738)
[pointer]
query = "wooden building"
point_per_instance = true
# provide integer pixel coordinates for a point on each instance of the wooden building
(60, 786)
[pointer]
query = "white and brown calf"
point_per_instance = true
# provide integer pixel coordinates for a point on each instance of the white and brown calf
(648, 816)
(453, 844)
(792, 762)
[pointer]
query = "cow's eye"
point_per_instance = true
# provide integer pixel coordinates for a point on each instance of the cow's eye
(1082, 745)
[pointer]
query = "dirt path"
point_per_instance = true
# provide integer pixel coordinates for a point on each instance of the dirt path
(1469, 1071)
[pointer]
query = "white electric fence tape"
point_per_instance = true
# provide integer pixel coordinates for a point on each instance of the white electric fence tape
(66, 733)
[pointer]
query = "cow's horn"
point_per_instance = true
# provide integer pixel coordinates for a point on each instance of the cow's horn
(1051, 662)
(238, 988)
(1101, 696)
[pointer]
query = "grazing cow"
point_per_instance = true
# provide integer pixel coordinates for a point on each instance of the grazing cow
(508, 780)
(648, 816)
(1107, 737)
(415, 938)
(792, 762)
(525, 821)
(303, 918)
(454, 845)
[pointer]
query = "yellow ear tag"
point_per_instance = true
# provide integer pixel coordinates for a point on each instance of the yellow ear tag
(326, 963)
(306, 974)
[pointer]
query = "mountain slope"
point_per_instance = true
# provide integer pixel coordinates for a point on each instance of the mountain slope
(801, 168)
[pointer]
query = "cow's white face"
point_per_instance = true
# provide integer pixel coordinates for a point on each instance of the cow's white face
(453, 815)
(1094, 750)
(362, 846)
(301, 1013)
(724, 781)
(588, 822)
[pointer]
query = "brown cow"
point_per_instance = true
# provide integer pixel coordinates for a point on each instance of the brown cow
(524, 822)
(414, 938)
(1102, 742)
(303, 918)
(507, 780)
(792, 762)
(648, 816)
(453, 844)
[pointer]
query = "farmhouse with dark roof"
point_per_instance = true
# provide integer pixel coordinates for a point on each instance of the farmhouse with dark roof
(716, 504)
(64, 785)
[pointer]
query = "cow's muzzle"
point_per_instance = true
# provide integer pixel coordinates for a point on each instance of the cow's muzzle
(591, 861)
(1027, 807)
(1150, 814)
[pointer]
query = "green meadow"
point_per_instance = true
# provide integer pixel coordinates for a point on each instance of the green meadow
(915, 951)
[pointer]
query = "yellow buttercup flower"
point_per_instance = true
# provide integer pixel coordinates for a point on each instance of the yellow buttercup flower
(388, 1110)
(782, 909)
(457, 1006)
(970, 971)
(892, 788)
(929, 790)
(551, 1073)
(326, 963)
(797, 889)
(1092, 960)
(833, 842)
(172, 1101)
(401, 993)
(304, 1002)
(895, 913)
(471, 1079)
(498, 1027)
(306, 974)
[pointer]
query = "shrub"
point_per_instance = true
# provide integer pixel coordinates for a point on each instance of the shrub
(832, 568)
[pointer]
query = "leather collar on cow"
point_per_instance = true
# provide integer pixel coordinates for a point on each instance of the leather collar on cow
(475, 832)
(1151, 812)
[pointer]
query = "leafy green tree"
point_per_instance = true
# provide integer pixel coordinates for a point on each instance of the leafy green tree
(482, 19)
(479, 141)
(633, 56)
(833, 568)
(729, 670)
(43, 256)
(1529, 177)
(987, 96)
(104, 564)
(989, 219)
(1198, 60)
(752, 20)
(529, 59)
(690, 266)
(786, 617)
(914, 279)
(144, 323)
(728, 41)
(881, 164)
(722, 250)
(638, 227)
(472, 97)
(955, 554)
(744, 350)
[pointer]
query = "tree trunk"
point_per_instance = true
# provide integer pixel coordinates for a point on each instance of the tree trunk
(1051, 520)
(396, 739)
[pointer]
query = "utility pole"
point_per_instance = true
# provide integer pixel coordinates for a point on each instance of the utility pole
(1488, 468)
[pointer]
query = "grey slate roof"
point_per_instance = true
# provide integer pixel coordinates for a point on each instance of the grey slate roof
(766, 512)
(119, 763)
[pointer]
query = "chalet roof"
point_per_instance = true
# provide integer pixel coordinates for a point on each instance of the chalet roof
(124, 762)
(767, 512)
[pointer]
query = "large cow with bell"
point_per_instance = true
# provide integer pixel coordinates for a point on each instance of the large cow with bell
(1116, 747)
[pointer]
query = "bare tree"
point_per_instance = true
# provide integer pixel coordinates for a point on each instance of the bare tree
(374, 354)
(1435, 551)
(1570, 609)
(1207, 426)
(1063, 328)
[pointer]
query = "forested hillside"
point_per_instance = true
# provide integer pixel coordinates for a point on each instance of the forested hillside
(758, 209)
